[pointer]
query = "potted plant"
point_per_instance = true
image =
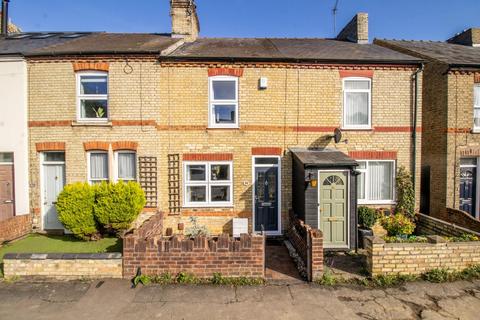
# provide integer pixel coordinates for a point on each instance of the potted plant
(366, 220)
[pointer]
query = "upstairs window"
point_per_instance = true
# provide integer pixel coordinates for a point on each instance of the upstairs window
(92, 96)
(98, 167)
(208, 184)
(357, 103)
(476, 107)
(223, 109)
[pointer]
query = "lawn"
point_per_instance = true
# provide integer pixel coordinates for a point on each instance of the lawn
(37, 243)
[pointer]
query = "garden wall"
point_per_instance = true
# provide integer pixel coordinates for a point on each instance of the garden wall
(15, 227)
(201, 256)
(461, 218)
(433, 226)
(65, 266)
(417, 258)
(308, 243)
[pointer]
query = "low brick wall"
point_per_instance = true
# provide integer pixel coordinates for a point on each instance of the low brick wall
(15, 227)
(64, 266)
(434, 226)
(201, 256)
(461, 218)
(308, 243)
(417, 258)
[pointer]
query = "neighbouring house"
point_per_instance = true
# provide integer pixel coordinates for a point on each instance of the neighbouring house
(451, 121)
(220, 128)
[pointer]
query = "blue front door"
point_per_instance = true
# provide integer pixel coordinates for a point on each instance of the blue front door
(468, 189)
(266, 199)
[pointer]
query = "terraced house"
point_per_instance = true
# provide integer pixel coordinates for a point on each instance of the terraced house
(451, 123)
(219, 128)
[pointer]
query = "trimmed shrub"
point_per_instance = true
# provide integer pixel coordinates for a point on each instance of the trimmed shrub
(405, 193)
(367, 217)
(118, 204)
(75, 210)
(398, 225)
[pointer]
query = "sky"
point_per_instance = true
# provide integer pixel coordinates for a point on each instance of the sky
(398, 19)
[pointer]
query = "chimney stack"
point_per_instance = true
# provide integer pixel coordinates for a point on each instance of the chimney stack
(356, 30)
(4, 19)
(469, 37)
(185, 22)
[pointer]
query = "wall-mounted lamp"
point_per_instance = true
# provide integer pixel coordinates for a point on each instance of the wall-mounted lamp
(310, 180)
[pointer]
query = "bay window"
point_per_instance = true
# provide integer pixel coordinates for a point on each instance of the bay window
(92, 96)
(208, 184)
(98, 167)
(223, 109)
(357, 103)
(476, 107)
(376, 181)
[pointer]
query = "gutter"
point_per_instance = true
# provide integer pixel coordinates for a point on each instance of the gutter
(414, 133)
(283, 59)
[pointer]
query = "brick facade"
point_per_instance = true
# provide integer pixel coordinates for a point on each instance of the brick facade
(15, 227)
(163, 107)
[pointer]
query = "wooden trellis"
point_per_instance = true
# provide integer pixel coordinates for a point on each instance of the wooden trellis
(148, 179)
(174, 183)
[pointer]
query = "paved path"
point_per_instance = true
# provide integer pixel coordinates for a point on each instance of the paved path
(113, 299)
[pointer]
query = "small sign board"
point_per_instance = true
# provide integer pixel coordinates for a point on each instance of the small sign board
(240, 225)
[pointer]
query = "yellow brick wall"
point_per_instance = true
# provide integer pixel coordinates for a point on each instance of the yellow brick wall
(176, 98)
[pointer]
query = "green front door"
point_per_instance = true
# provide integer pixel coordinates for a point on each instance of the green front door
(333, 203)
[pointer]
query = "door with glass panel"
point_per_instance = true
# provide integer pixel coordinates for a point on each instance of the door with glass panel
(53, 168)
(468, 185)
(7, 195)
(333, 204)
(266, 194)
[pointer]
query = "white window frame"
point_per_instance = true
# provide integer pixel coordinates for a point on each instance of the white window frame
(367, 184)
(208, 183)
(476, 129)
(90, 180)
(344, 93)
(212, 102)
(116, 166)
(81, 97)
(8, 162)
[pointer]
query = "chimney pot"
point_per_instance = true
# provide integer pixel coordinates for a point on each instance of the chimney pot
(4, 27)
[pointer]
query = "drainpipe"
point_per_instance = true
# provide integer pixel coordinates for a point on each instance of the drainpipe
(414, 134)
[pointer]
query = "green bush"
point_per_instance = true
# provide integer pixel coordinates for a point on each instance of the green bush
(367, 217)
(75, 206)
(398, 225)
(405, 193)
(118, 204)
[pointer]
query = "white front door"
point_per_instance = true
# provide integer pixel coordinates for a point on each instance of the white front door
(53, 182)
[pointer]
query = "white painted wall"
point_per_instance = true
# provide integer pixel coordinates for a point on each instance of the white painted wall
(13, 124)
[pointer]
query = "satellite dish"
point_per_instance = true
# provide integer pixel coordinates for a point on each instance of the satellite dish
(337, 135)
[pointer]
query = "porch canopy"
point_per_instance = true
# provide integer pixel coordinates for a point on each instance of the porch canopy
(323, 158)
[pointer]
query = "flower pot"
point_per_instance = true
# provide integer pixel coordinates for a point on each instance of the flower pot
(362, 233)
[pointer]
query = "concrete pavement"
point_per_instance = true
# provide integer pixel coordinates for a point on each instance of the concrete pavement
(114, 299)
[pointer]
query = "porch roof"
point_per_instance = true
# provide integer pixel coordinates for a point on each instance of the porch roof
(324, 157)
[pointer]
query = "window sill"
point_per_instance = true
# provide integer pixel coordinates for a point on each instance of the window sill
(367, 202)
(206, 206)
(475, 130)
(92, 124)
(223, 128)
(357, 129)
